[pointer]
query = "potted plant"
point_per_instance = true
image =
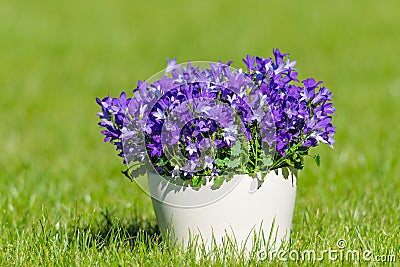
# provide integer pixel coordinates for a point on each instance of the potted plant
(221, 146)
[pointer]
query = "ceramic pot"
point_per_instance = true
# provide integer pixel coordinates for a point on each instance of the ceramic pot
(242, 207)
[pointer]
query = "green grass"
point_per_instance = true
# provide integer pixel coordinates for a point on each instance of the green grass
(63, 199)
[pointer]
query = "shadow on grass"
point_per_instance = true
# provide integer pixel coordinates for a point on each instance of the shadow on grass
(110, 230)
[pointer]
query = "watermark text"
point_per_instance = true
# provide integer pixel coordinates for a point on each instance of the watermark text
(338, 253)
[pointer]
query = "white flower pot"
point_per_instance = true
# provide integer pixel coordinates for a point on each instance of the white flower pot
(240, 208)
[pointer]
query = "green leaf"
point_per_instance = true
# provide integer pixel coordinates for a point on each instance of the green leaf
(267, 161)
(236, 149)
(219, 181)
(226, 160)
(317, 160)
(197, 181)
(220, 162)
(233, 163)
(161, 162)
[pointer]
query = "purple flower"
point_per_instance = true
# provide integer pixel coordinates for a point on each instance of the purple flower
(156, 148)
(171, 65)
(176, 172)
(230, 134)
(249, 61)
(191, 149)
(190, 167)
(208, 162)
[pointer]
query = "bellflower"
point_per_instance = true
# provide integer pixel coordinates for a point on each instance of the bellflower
(205, 121)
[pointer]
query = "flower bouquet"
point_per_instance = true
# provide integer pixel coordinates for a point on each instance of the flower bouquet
(201, 124)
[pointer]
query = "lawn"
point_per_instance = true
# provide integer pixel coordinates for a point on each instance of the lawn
(63, 198)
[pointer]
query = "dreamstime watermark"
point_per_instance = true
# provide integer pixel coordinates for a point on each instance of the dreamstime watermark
(339, 253)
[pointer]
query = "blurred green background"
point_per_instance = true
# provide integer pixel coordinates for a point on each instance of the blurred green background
(57, 56)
